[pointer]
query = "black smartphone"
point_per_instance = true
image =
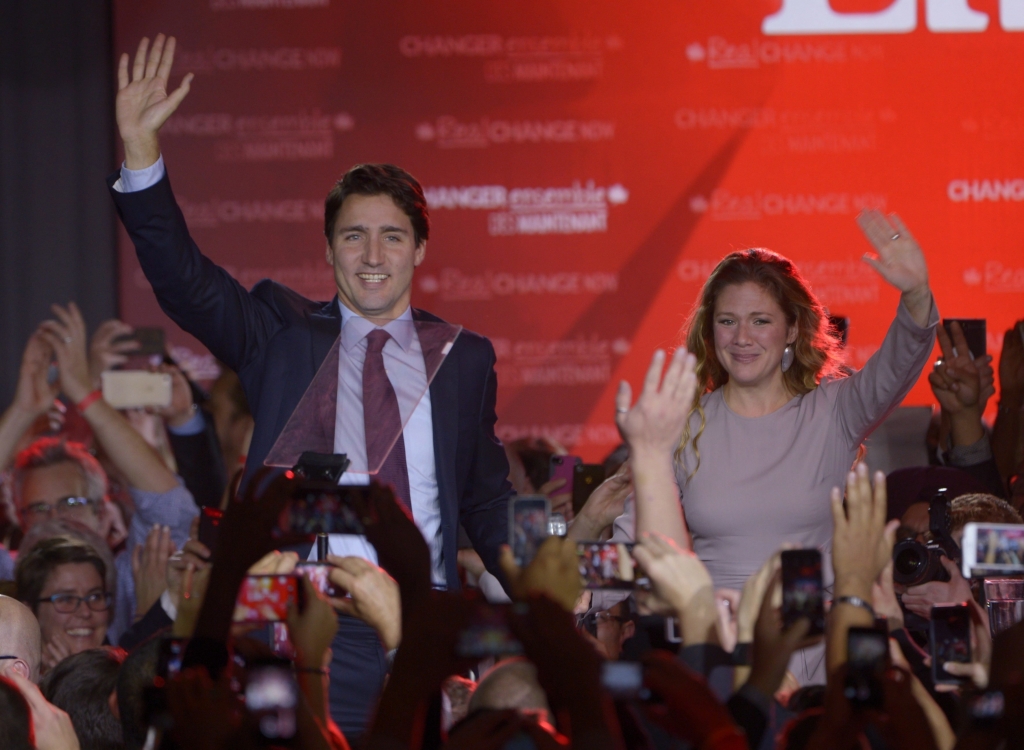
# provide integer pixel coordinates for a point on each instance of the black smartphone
(839, 326)
(528, 517)
(950, 640)
(610, 565)
(974, 333)
(802, 589)
(272, 697)
(867, 658)
(585, 479)
(151, 340)
(322, 508)
(319, 575)
(487, 634)
(209, 526)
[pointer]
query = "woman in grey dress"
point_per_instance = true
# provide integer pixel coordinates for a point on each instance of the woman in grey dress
(774, 424)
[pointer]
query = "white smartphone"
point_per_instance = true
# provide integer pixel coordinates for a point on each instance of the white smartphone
(992, 548)
(136, 389)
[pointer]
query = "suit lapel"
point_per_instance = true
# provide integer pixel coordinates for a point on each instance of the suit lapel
(325, 332)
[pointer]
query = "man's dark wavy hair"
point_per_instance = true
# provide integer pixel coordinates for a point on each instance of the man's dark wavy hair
(380, 179)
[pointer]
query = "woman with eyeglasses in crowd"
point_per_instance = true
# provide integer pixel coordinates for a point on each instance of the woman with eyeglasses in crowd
(63, 581)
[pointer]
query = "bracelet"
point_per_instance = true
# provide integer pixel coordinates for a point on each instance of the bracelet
(88, 401)
(313, 670)
(855, 601)
(731, 732)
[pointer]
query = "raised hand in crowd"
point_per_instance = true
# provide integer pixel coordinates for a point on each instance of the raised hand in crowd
(861, 549)
(652, 428)
(554, 572)
(105, 352)
(680, 587)
(605, 504)
(33, 396)
(961, 385)
(373, 597)
(494, 730)
(977, 670)
(559, 493)
(1006, 430)
(774, 644)
(689, 710)
(143, 103)
(885, 600)
(182, 407)
(149, 568)
(51, 727)
(899, 260)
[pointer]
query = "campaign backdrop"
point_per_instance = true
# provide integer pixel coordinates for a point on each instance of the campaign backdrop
(588, 163)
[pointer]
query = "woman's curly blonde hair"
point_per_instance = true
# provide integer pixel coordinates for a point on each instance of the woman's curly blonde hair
(816, 351)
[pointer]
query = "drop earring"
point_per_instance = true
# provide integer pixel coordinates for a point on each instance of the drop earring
(788, 356)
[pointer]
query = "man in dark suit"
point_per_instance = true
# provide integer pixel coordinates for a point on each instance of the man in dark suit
(451, 466)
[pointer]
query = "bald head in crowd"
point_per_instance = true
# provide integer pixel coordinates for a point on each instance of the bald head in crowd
(510, 684)
(19, 638)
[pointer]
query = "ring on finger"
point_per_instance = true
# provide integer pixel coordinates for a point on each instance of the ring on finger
(621, 410)
(895, 237)
(67, 339)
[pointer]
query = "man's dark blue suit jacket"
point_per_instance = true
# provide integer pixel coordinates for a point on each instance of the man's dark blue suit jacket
(276, 340)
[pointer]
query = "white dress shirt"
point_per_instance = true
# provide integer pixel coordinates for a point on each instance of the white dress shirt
(403, 361)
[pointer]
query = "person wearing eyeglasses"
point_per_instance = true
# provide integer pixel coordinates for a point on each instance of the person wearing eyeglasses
(62, 580)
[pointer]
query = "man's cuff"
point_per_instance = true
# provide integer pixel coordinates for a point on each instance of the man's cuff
(168, 606)
(134, 180)
(192, 427)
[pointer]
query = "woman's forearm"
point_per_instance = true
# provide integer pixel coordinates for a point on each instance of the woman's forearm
(657, 497)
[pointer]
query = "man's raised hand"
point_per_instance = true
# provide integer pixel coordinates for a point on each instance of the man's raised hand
(143, 103)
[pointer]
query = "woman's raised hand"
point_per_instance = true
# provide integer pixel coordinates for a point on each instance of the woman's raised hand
(900, 260)
(657, 419)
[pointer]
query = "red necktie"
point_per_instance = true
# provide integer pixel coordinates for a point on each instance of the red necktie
(383, 420)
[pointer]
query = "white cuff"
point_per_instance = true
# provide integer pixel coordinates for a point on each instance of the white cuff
(134, 180)
(168, 606)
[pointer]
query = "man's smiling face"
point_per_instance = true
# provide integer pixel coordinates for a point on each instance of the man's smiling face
(374, 253)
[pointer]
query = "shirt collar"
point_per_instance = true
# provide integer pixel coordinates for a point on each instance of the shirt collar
(355, 328)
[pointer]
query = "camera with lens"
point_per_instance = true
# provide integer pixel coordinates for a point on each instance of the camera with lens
(915, 563)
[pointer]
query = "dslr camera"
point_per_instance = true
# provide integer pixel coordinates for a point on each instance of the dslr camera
(915, 563)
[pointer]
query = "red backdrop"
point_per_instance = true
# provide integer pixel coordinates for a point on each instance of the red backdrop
(587, 163)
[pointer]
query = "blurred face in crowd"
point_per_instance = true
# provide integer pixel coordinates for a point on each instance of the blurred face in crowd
(613, 629)
(81, 624)
(750, 334)
(45, 494)
(373, 251)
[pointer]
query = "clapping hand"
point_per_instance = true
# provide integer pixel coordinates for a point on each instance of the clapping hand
(149, 568)
(143, 104)
(900, 260)
(681, 587)
(373, 596)
(862, 542)
(554, 571)
(35, 394)
(66, 335)
(1011, 362)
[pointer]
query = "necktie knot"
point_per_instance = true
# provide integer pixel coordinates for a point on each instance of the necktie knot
(376, 339)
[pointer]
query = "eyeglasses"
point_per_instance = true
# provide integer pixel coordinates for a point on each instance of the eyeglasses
(591, 620)
(63, 506)
(66, 604)
(10, 657)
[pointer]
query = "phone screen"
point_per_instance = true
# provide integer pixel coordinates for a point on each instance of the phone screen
(624, 680)
(266, 598)
(172, 650)
(867, 655)
(999, 547)
(528, 526)
(487, 634)
(802, 588)
(150, 341)
(319, 575)
(950, 640)
(609, 565)
(312, 511)
(272, 695)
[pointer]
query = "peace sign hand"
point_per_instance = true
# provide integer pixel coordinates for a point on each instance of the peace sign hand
(143, 104)
(900, 260)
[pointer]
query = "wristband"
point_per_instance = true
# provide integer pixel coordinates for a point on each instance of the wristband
(88, 401)
(855, 601)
